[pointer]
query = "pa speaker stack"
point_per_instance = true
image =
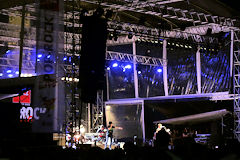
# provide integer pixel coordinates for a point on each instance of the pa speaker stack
(92, 60)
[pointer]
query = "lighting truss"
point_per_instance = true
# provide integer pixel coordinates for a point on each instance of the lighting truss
(236, 87)
(168, 12)
(144, 60)
(97, 111)
(154, 33)
(13, 63)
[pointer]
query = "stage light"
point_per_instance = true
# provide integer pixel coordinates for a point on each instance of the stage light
(1, 74)
(17, 72)
(8, 51)
(38, 60)
(108, 68)
(9, 71)
(49, 56)
(115, 38)
(107, 107)
(115, 65)
(109, 14)
(10, 75)
(128, 66)
(139, 72)
(159, 70)
(65, 58)
(130, 36)
(39, 55)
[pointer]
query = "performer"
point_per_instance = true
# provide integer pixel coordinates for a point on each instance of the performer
(109, 134)
(160, 127)
(102, 133)
(162, 137)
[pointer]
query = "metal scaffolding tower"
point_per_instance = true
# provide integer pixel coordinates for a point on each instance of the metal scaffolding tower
(236, 75)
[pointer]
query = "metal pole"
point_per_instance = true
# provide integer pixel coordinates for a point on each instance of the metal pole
(231, 53)
(89, 116)
(107, 82)
(165, 82)
(135, 69)
(198, 68)
(21, 40)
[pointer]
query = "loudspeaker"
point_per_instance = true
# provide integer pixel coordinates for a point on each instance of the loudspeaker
(92, 60)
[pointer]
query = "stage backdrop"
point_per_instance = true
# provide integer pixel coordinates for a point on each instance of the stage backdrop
(129, 117)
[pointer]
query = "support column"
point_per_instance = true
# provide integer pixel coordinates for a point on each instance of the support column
(135, 69)
(21, 40)
(198, 68)
(89, 117)
(231, 53)
(165, 82)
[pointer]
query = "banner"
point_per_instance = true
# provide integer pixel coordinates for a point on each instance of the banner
(48, 89)
(47, 36)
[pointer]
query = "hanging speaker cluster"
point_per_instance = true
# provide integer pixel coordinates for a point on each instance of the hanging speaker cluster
(92, 60)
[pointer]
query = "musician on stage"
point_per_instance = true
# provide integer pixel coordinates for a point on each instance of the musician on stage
(102, 133)
(109, 134)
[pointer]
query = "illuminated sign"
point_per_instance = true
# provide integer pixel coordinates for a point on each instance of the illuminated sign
(27, 114)
(25, 98)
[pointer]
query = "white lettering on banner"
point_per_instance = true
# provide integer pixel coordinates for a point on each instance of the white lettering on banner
(27, 113)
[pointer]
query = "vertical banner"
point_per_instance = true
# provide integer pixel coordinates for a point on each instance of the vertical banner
(48, 85)
(47, 36)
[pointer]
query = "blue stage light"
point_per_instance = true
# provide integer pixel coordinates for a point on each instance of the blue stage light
(1, 74)
(9, 71)
(8, 51)
(48, 56)
(10, 75)
(17, 72)
(65, 58)
(128, 66)
(159, 70)
(39, 55)
(115, 65)
(108, 68)
(38, 60)
(139, 72)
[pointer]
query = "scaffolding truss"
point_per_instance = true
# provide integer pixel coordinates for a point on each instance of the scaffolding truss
(236, 74)
(124, 57)
(97, 112)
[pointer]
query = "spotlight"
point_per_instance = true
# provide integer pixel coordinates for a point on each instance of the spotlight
(139, 72)
(159, 70)
(128, 66)
(8, 51)
(48, 56)
(115, 65)
(109, 14)
(65, 58)
(148, 51)
(39, 55)
(209, 31)
(99, 12)
(108, 68)
(115, 38)
(17, 72)
(10, 75)
(9, 71)
(110, 35)
(130, 36)
(1, 74)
